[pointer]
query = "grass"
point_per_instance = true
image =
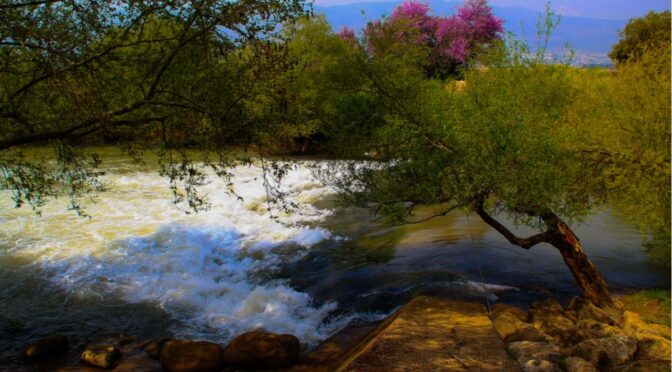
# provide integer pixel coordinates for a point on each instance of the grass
(652, 304)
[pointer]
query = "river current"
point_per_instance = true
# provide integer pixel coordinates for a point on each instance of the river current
(143, 266)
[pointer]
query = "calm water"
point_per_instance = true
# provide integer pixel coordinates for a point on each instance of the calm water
(144, 267)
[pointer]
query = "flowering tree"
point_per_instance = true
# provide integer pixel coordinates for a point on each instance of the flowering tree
(449, 41)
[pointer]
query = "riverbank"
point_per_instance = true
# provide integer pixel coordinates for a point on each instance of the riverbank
(427, 333)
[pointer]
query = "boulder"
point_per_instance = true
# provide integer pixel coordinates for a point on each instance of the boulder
(574, 364)
(517, 312)
(262, 350)
(524, 351)
(529, 333)
(653, 347)
(104, 356)
(557, 325)
(547, 305)
(153, 347)
(586, 310)
(47, 346)
(137, 361)
(508, 323)
(589, 328)
(645, 366)
(606, 352)
(191, 356)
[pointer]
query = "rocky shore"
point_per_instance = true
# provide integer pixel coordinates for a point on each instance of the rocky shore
(548, 337)
(581, 337)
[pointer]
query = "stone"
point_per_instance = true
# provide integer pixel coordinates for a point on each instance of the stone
(104, 356)
(507, 323)
(574, 364)
(137, 361)
(645, 366)
(548, 305)
(47, 346)
(524, 351)
(558, 326)
(529, 333)
(606, 352)
(153, 347)
(191, 356)
(589, 328)
(653, 347)
(586, 310)
(517, 312)
(540, 365)
(262, 350)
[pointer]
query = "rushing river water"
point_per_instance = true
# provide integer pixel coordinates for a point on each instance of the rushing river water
(143, 266)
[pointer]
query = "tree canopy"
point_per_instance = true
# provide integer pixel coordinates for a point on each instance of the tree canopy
(641, 35)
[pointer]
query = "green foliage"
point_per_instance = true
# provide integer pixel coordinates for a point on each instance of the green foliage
(145, 73)
(641, 35)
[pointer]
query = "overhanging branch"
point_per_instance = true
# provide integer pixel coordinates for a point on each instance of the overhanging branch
(526, 243)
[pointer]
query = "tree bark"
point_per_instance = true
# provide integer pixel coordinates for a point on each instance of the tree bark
(590, 281)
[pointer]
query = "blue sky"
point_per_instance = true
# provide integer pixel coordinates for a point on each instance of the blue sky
(601, 9)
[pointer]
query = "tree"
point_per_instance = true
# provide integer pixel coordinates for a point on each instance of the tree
(73, 71)
(623, 118)
(449, 42)
(503, 146)
(641, 34)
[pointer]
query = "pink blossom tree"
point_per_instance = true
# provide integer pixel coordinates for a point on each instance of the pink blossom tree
(450, 42)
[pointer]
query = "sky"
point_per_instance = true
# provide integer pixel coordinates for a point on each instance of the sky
(601, 9)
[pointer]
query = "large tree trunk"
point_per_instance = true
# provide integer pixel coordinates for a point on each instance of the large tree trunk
(589, 280)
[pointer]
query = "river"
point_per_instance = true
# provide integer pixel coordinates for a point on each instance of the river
(143, 266)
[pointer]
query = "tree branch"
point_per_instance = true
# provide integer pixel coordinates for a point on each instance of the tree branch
(526, 243)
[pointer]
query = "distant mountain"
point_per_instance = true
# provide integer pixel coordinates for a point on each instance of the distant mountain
(591, 38)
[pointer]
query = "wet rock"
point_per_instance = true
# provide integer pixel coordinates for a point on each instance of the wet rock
(645, 366)
(104, 356)
(153, 347)
(47, 346)
(262, 350)
(190, 356)
(574, 364)
(525, 351)
(607, 352)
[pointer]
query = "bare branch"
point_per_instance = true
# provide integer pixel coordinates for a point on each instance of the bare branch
(526, 243)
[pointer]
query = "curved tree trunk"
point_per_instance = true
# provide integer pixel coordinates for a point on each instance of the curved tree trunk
(590, 281)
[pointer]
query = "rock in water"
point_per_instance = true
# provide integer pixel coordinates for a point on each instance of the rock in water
(104, 356)
(191, 356)
(262, 350)
(47, 346)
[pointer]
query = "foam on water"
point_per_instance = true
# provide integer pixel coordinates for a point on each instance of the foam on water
(212, 271)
